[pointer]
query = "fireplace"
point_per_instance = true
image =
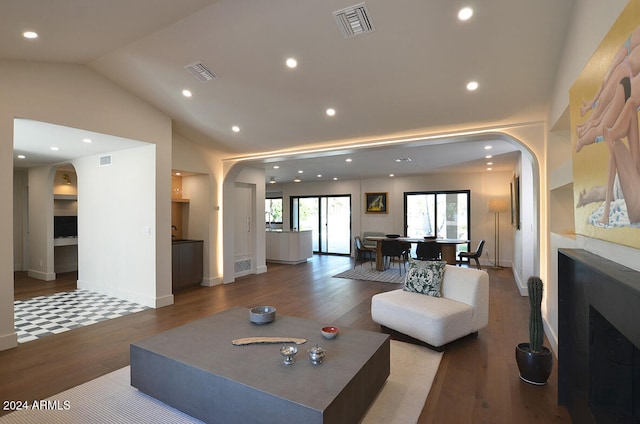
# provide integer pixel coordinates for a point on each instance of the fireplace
(598, 338)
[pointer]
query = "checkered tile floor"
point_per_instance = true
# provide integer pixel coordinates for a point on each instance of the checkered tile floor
(46, 315)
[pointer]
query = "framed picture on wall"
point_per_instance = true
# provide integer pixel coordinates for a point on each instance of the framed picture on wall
(515, 202)
(375, 202)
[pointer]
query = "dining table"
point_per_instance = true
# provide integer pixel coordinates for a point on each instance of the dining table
(448, 247)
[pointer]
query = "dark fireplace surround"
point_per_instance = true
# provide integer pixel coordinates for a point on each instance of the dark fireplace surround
(598, 338)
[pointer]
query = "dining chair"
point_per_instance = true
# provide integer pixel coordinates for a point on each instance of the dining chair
(393, 249)
(428, 251)
(363, 253)
(473, 255)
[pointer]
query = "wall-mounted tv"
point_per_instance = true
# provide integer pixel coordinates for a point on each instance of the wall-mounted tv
(65, 226)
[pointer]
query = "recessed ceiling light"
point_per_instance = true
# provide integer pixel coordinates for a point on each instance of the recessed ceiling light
(86, 140)
(55, 149)
(22, 157)
(335, 178)
(331, 112)
(30, 35)
(235, 128)
(291, 63)
(187, 93)
(297, 180)
(178, 174)
(489, 163)
(465, 13)
(276, 166)
(489, 169)
(391, 175)
(300, 171)
(488, 157)
(487, 147)
(472, 85)
(272, 180)
(348, 160)
(319, 175)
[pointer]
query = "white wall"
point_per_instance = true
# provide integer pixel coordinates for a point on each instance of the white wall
(526, 262)
(591, 20)
(483, 187)
(196, 214)
(203, 213)
(20, 219)
(40, 236)
(41, 260)
(75, 96)
(249, 177)
(116, 226)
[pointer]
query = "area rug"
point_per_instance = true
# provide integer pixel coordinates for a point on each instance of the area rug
(111, 399)
(390, 275)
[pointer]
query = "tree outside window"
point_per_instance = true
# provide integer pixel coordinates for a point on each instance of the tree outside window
(273, 211)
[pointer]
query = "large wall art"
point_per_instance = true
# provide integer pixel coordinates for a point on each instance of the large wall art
(604, 103)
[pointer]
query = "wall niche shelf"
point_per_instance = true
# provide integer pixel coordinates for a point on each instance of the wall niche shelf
(65, 241)
(65, 197)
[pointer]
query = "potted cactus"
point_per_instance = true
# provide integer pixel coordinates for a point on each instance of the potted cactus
(534, 360)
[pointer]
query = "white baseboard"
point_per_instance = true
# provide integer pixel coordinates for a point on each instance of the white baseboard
(211, 281)
(8, 341)
(521, 285)
(139, 298)
(46, 276)
(551, 336)
(164, 301)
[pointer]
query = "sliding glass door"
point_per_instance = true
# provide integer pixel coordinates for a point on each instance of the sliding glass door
(442, 214)
(329, 219)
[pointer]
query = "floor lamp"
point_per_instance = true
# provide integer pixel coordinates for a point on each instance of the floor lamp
(497, 206)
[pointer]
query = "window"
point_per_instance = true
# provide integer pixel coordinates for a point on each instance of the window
(273, 211)
(443, 214)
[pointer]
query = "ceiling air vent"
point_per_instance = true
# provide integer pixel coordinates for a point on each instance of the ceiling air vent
(105, 160)
(354, 21)
(201, 71)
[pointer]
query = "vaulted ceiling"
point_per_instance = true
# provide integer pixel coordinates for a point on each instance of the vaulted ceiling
(405, 78)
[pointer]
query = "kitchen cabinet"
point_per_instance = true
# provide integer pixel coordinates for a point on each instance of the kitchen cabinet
(186, 263)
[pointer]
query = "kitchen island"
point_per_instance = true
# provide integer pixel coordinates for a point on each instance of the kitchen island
(288, 247)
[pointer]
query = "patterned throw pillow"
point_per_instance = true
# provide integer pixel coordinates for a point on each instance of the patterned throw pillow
(425, 277)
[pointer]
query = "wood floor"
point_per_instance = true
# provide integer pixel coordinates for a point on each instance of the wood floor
(477, 381)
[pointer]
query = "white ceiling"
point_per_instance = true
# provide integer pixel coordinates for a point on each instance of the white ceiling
(406, 78)
(35, 141)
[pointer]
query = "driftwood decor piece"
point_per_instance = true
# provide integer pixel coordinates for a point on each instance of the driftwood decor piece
(262, 340)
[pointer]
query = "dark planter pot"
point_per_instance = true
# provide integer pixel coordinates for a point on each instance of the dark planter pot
(535, 368)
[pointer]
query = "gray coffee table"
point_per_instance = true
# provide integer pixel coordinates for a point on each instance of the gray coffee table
(196, 369)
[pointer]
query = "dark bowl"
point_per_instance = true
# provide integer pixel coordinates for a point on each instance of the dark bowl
(392, 235)
(430, 237)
